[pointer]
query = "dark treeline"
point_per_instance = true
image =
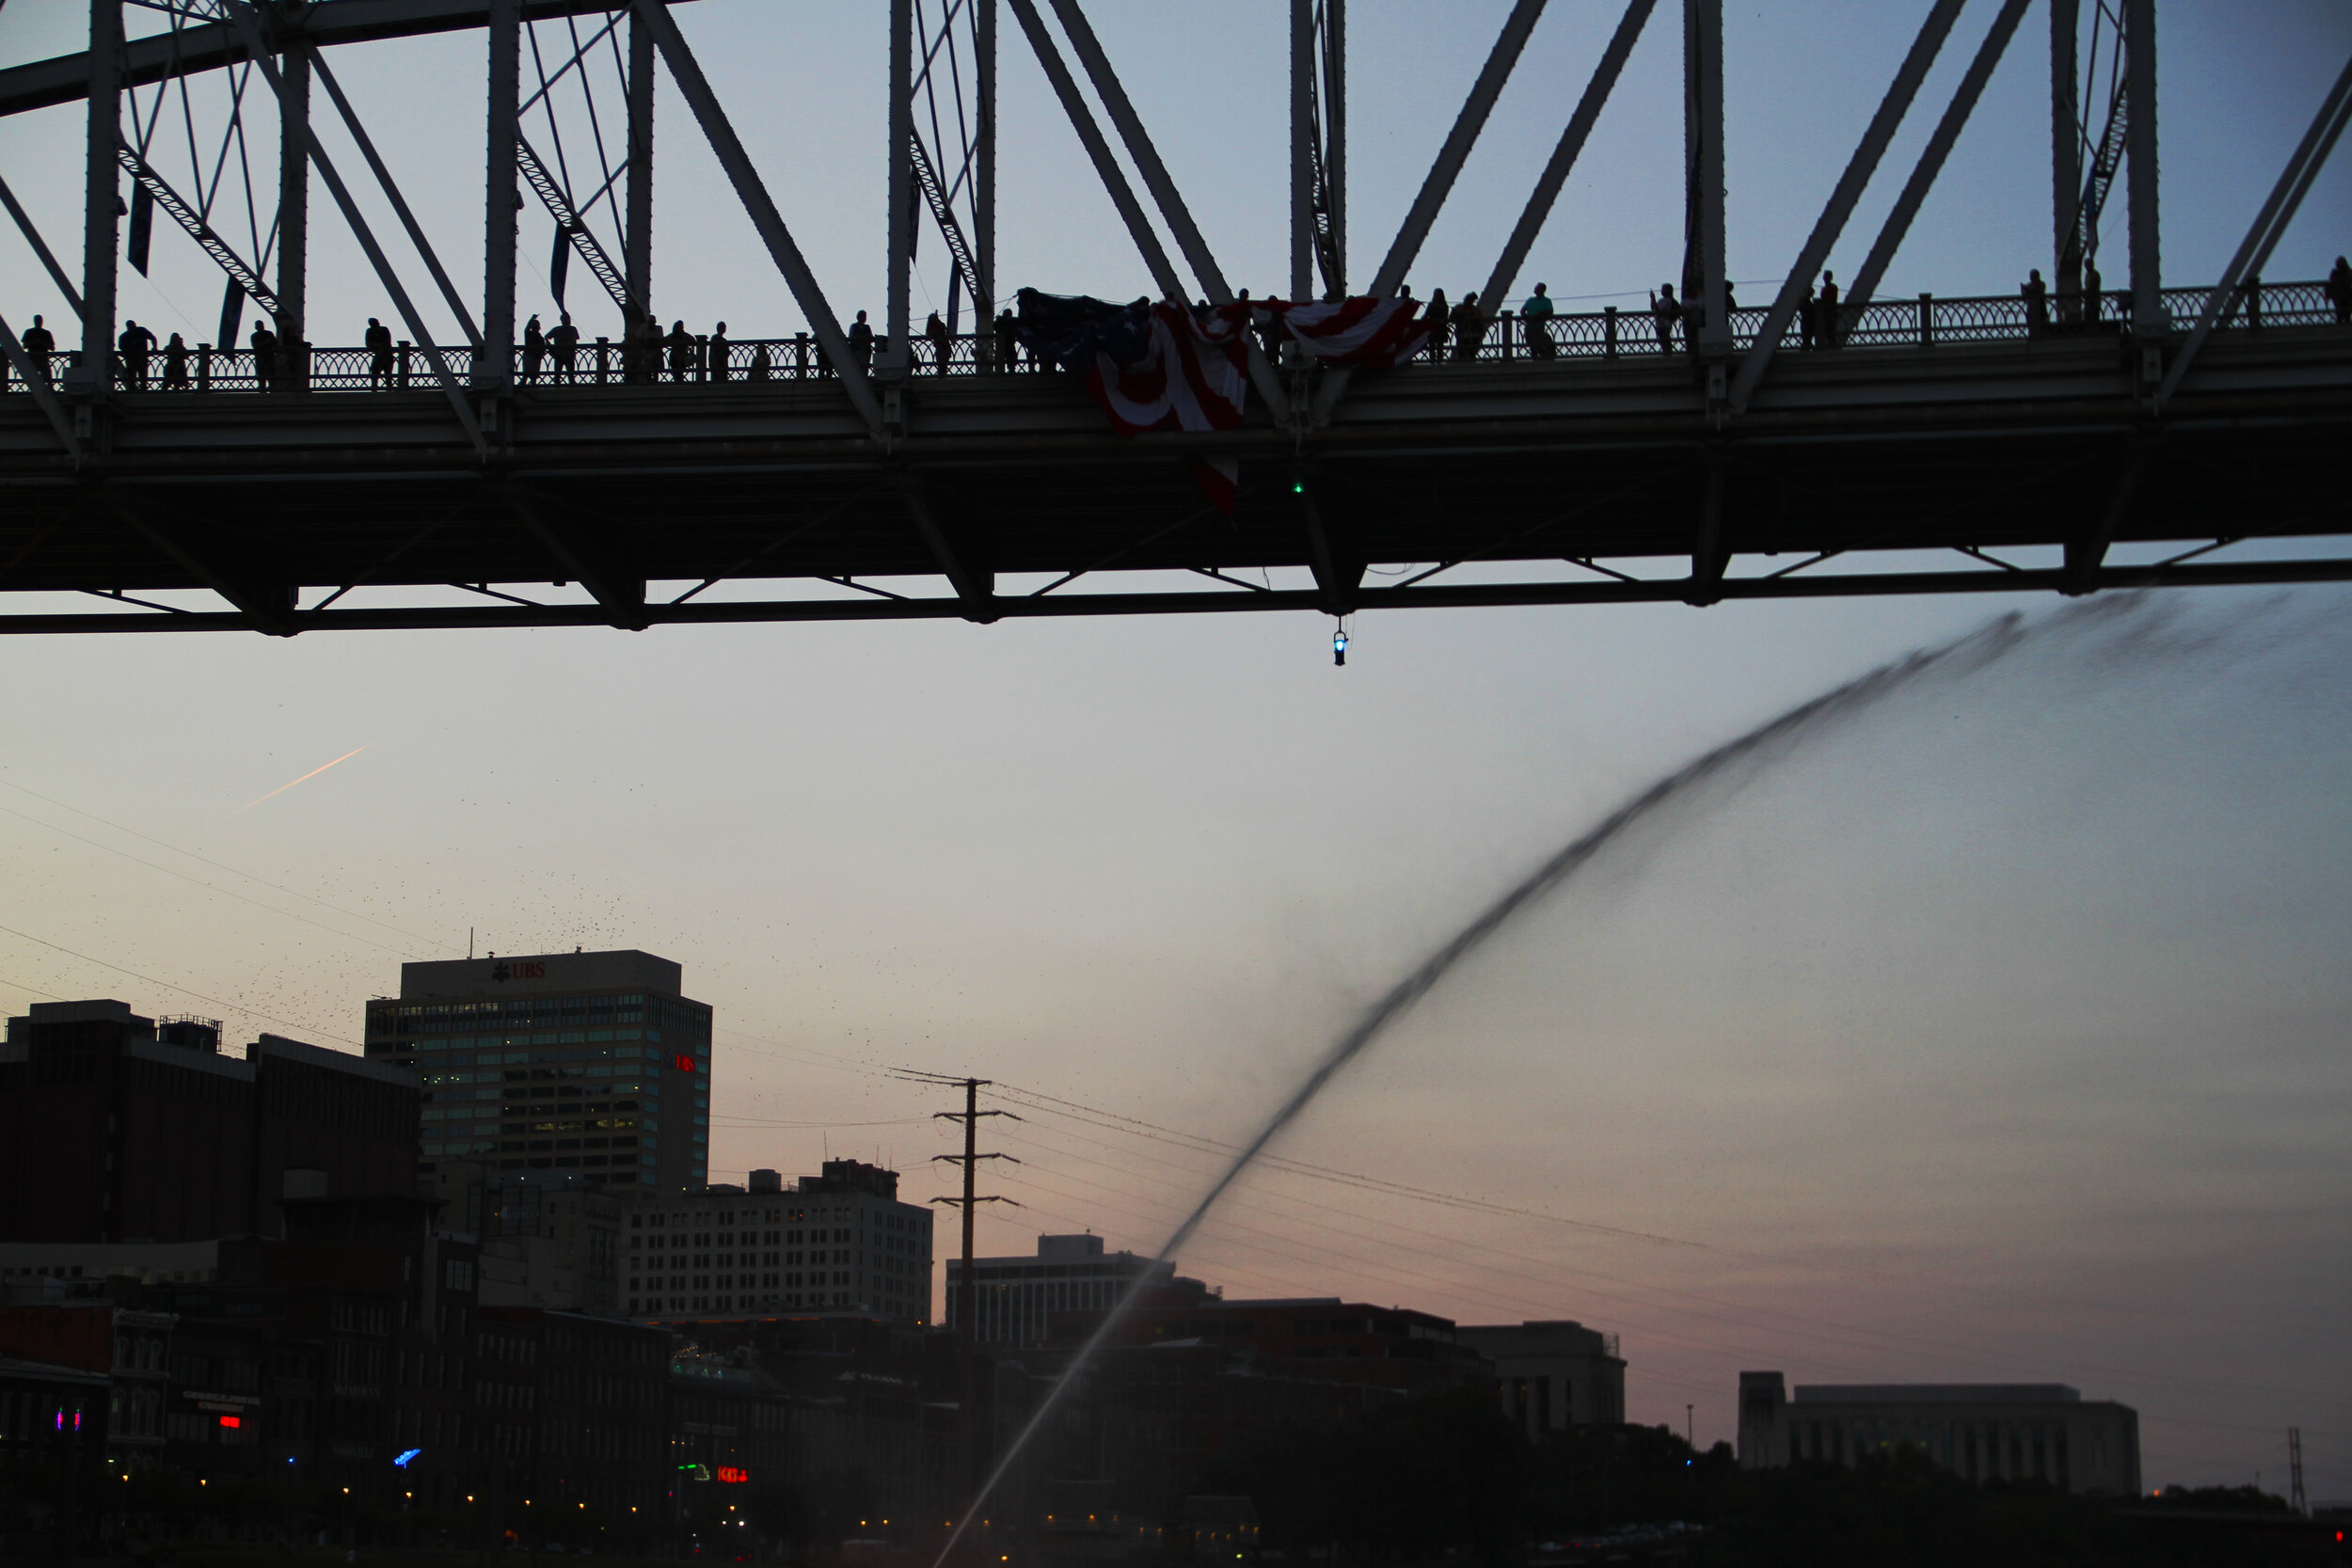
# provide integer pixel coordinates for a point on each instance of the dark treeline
(1449, 1476)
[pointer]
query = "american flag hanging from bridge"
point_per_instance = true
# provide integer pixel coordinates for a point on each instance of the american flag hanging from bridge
(1177, 367)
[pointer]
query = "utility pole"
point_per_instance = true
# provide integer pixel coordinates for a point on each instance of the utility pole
(961, 1301)
(2294, 1472)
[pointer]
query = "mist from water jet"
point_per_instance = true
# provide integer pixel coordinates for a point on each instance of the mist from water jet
(1708, 779)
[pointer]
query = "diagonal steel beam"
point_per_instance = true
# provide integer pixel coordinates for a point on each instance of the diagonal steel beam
(1451, 156)
(268, 608)
(1090, 134)
(2286, 197)
(1138, 144)
(1897, 224)
(1163, 192)
(224, 255)
(1859, 168)
(1456, 149)
(36, 380)
(1564, 156)
(826, 327)
(975, 585)
(40, 248)
(63, 79)
(621, 592)
(241, 12)
(400, 206)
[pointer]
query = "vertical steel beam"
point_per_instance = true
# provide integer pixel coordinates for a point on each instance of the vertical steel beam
(2140, 144)
(1703, 163)
(1851, 186)
(1555, 175)
(1302, 148)
(2066, 154)
(293, 205)
(502, 203)
(898, 357)
(984, 178)
(637, 244)
(1458, 142)
(760, 208)
(1335, 136)
(1931, 158)
(101, 190)
(241, 16)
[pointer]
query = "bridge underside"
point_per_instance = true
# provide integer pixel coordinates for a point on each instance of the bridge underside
(1610, 475)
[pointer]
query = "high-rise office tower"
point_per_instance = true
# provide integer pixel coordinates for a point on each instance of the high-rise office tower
(588, 1062)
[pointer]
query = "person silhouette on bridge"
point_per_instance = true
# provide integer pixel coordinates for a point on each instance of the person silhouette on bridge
(137, 345)
(1440, 322)
(2339, 290)
(2036, 296)
(1536, 313)
(176, 365)
(1808, 317)
(1665, 310)
(377, 340)
(760, 365)
(563, 345)
(681, 352)
(264, 358)
(1008, 340)
(534, 348)
(1831, 331)
(38, 346)
(2094, 300)
(1469, 326)
(719, 350)
(861, 343)
(942, 343)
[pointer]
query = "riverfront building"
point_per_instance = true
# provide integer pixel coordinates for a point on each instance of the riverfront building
(1552, 1375)
(838, 1242)
(1980, 1432)
(595, 1063)
(117, 1128)
(1013, 1297)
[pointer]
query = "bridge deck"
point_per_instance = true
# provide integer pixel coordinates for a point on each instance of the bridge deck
(1971, 446)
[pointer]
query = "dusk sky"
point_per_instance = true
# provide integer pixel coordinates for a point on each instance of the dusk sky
(1998, 1035)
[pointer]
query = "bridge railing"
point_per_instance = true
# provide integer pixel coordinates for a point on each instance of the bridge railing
(1922, 321)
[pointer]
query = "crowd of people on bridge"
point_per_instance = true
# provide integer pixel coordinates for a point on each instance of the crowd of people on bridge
(1457, 331)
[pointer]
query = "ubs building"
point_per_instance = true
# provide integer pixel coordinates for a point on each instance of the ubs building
(589, 1063)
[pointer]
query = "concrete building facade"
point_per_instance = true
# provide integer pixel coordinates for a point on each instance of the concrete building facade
(592, 1063)
(1014, 1298)
(1552, 1375)
(1980, 1432)
(840, 1241)
(117, 1128)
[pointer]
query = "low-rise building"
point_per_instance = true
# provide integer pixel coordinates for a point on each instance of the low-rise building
(1980, 1432)
(840, 1241)
(1552, 1375)
(1014, 1299)
(119, 1128)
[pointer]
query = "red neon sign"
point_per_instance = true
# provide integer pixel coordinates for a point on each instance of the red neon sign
(682, 1062)
(232, 1420)
(731, 1475)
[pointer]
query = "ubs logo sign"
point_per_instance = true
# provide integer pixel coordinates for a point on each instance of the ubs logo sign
(503, 971)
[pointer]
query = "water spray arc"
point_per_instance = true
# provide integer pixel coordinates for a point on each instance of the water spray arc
(1767, 744)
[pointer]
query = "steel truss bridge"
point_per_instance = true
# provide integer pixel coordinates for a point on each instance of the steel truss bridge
(1777, 450)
